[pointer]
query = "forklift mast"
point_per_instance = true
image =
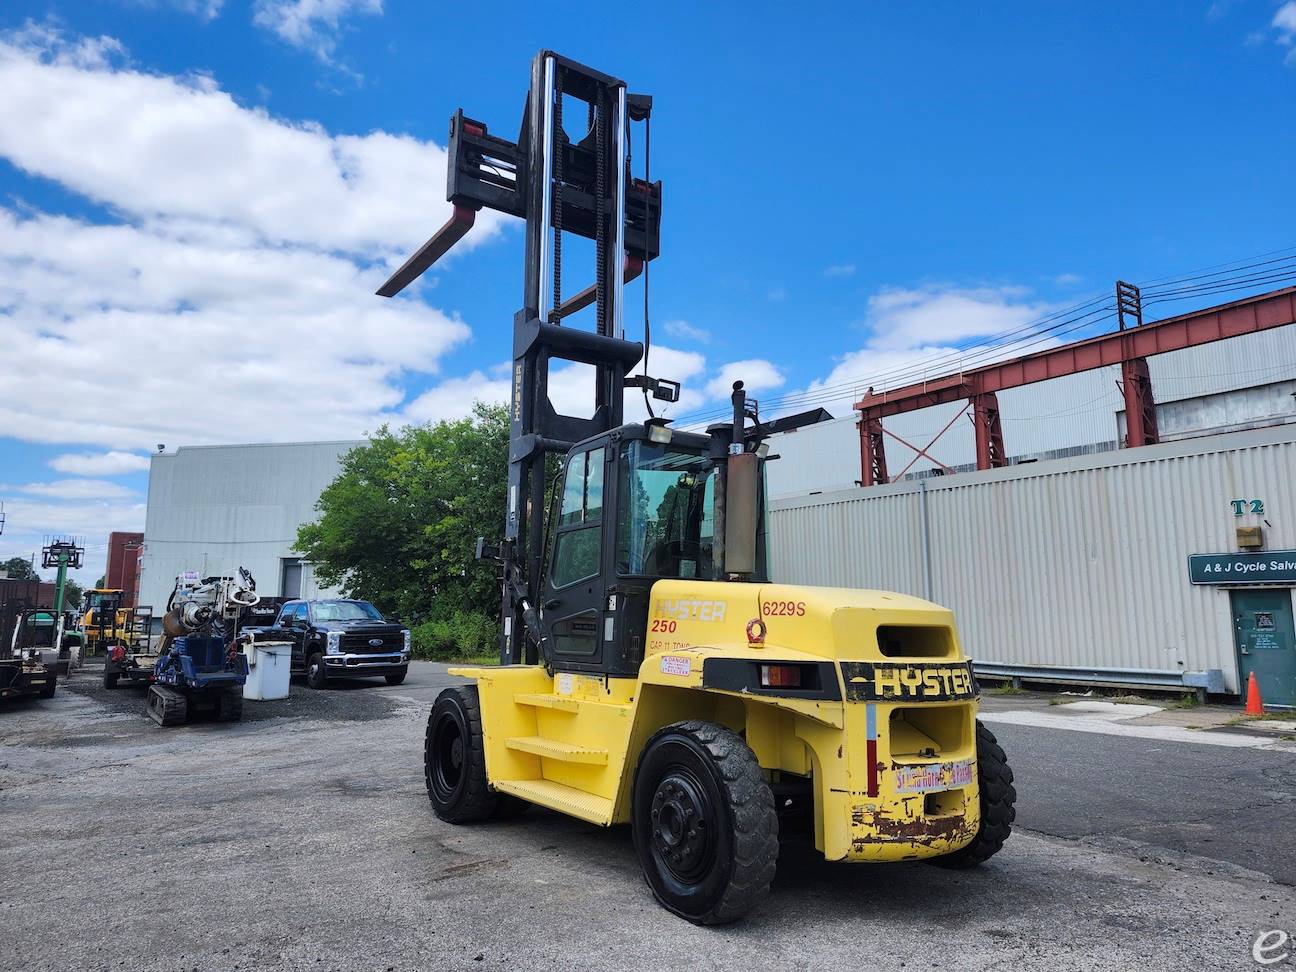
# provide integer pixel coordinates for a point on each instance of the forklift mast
(557, 185)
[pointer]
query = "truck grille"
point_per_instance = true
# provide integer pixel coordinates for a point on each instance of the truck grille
(358, 644)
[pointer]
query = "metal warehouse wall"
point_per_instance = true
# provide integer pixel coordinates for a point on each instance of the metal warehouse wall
(216, 508)
(1064, 413)
(1073, 562)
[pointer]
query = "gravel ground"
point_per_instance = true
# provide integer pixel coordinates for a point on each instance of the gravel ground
(302, 839)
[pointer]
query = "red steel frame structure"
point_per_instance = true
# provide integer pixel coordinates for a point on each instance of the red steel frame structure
(1128, 347)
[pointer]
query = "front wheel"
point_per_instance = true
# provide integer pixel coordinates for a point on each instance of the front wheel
(110, 680)
(316, 676)
(998, 796)
(705, 827)
(454, 758)
(395, 678)
(47, 691)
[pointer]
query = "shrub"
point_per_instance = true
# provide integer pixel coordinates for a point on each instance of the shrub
(465, 634)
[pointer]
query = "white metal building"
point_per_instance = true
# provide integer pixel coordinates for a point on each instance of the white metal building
(215, 508)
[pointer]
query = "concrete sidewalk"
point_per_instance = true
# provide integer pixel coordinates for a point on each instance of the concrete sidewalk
(1206, 724)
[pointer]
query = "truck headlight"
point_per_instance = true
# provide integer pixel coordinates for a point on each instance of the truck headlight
(405, 638)
(334, 644)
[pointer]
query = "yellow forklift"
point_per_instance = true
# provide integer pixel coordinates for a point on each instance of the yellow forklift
(652, 673)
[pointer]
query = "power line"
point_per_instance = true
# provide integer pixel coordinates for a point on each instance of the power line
(1236, 275)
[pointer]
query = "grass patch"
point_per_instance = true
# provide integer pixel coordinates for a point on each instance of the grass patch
(475, 660)
(1188, 700)
(1007, 688)
(1267, 717)
(1059, 700)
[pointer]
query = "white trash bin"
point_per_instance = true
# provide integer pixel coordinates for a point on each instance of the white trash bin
(268, 669)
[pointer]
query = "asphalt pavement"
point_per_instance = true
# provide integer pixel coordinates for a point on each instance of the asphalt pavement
(302, 839)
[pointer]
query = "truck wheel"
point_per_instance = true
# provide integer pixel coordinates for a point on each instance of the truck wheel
(705, 827)
(110, 681)
(454, 758)
(395, 678)
(995, 778)
(316, 675)
(47, 692)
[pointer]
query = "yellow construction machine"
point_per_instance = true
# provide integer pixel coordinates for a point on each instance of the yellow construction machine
(652, 672)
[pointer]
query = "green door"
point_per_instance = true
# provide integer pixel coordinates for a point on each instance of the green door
(1266, 643)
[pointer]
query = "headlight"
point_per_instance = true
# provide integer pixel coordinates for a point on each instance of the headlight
(334, 644)
(405, 637)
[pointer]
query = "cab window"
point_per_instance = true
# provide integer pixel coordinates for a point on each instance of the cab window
(580, 517)
(666, 521)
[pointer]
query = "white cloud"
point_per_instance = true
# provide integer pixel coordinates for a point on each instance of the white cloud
(99, 463)
(930, 332)
(207, 10)
(240, 244)
(1066, 279)
(77, 489)
(1284, 23)
(313, 25)
(840, 270)
(756, 374)
(687, 332)
(179, 151)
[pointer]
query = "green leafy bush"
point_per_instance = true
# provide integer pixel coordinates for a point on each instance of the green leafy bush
(465, 634)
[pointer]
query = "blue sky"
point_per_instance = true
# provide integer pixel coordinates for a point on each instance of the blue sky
(198, 197)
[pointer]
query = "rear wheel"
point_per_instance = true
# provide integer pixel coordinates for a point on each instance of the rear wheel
(316, 676)
(110, 681)
(998, 796)
(454, 758)
(705, 827)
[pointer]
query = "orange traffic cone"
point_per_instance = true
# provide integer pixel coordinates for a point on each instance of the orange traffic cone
(1254, 706)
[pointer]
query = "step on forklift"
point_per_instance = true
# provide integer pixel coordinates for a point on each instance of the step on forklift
(199, 667)
(652, 673)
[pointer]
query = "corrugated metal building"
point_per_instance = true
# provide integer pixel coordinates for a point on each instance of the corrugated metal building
(1081, 561)
(215, 508)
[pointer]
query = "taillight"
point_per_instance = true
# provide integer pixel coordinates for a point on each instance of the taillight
(780, 676)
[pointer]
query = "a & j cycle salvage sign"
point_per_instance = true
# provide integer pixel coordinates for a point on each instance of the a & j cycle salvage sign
(1266, 567)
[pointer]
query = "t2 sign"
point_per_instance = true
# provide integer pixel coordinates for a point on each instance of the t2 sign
(1244, 506)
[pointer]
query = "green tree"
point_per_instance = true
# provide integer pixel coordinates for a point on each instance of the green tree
(72, 594)
(19, 568)
(399, 525)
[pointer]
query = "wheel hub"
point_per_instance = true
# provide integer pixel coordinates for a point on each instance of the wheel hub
(448, 757)
(680, 835)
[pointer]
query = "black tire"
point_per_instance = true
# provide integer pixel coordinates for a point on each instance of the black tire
(395, 678)
(316, 674)
(995, 778)
(717, 870)
(454, 758)
(47, 692)
(110, 681)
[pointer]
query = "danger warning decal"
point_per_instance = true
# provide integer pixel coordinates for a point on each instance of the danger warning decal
(675, 665)
(907, 682)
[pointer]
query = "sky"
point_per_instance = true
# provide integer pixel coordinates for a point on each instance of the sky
(199, 197)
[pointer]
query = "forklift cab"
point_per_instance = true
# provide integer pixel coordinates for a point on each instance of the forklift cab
(634, 505)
